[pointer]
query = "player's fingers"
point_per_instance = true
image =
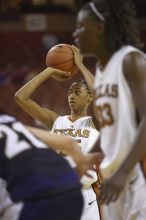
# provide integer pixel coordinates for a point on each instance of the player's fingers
(65, 76)
(88, 174)
(95, 157)
(75, 48)
(94, 169)
(104, 197)
(64, 73)
(108, 198)
(114, 197)
(102, 194)
(58, 71)
(108, 195)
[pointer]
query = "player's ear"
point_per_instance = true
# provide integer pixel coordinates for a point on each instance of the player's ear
(100, 28)
(90, 98)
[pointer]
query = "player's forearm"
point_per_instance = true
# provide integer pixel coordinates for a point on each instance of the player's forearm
(68, 146)
(26, 91)
(138, 150)
(96, 146)
(89, 77)
(56, 142)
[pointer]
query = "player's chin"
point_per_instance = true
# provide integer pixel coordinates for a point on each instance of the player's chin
(73, 106)
(85, 52)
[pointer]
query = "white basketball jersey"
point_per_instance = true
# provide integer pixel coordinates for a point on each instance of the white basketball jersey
(116, 112)
(82, 130)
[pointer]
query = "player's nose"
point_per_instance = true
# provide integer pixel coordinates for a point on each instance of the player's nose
(71, 98)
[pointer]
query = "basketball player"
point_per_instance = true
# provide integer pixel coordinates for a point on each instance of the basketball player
(38, 181)
(106, 29)
(77, 125)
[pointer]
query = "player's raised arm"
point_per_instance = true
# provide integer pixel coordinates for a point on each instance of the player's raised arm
(89, 77)
(135, 73)
(23, 96)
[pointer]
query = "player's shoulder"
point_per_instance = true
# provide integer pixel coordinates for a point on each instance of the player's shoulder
(86, 118)
(132, 53)
(61, 119)
(133, 57)
(89, 120)
(134, 62)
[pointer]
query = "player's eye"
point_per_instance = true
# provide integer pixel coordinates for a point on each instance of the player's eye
(69, 92)
(77, 93)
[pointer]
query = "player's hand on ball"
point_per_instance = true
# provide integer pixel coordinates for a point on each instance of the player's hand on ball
(78, 58)
(61, 56)
(60, 75)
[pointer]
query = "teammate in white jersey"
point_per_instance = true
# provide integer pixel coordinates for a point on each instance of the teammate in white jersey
(84, 132)
(106, 29)
(77, 125)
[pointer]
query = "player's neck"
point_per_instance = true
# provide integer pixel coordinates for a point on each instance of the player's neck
(103, 59)
(76, 115)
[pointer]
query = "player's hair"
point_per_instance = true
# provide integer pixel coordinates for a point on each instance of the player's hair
(84, 82)
(119, 17)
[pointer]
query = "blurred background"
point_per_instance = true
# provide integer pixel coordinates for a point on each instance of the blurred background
(28, 29)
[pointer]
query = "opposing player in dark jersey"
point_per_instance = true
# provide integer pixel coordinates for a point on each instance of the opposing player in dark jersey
(39, 182)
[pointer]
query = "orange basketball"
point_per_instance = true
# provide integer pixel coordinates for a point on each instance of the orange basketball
(61, 57)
